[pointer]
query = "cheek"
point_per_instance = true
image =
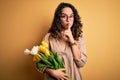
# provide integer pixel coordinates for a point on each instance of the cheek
(72, 22)
(62, 22)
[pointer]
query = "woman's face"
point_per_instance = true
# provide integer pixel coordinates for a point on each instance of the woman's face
(67, 18)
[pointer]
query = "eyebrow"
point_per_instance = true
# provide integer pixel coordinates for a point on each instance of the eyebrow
(66, 14)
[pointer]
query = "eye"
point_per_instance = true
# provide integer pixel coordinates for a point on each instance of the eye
(63, 16)
(71, 16)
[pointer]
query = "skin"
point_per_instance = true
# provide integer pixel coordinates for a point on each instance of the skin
(67, 19)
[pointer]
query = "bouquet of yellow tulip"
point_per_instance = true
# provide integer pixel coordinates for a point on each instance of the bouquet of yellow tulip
(44, 57)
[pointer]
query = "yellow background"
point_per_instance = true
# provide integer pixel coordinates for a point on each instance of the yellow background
(23, 23)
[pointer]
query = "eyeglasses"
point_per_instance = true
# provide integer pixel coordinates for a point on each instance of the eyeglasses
(64, 17)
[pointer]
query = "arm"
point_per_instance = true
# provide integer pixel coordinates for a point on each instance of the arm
(81, 47)
(78, 48)
(42, 69)
(58, 74)
(75, 50)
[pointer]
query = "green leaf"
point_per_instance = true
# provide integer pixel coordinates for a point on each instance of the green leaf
(58, 60)
(40, 65)
(45, 60)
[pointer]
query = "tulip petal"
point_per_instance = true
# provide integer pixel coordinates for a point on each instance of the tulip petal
(26, 51)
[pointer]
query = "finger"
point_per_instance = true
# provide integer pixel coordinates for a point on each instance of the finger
(65, 78)
(65, 32)
(65, 75)
(61, 79)
(62, 32)
(62, 69)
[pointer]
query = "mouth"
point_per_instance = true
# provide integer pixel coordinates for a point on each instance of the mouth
(66, 26)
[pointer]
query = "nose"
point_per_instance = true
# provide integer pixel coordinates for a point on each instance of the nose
(68, 19)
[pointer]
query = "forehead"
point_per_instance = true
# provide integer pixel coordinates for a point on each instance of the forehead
(67, 10)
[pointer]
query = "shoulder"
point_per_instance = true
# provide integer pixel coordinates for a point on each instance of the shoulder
(81, 38)
(46, 37)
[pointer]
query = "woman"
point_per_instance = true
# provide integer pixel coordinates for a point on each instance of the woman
(66, 38)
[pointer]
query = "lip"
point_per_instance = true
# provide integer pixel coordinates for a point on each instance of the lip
(67, 24)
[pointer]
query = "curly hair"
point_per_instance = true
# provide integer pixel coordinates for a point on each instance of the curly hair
(56, 26)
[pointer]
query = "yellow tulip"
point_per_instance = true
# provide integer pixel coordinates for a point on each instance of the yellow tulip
(44, 50)
(36, 58)
(44, 43)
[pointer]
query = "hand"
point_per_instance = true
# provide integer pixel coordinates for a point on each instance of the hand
(67, 35)
(59, 74)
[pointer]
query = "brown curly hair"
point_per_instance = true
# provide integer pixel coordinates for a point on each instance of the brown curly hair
(56, 26)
